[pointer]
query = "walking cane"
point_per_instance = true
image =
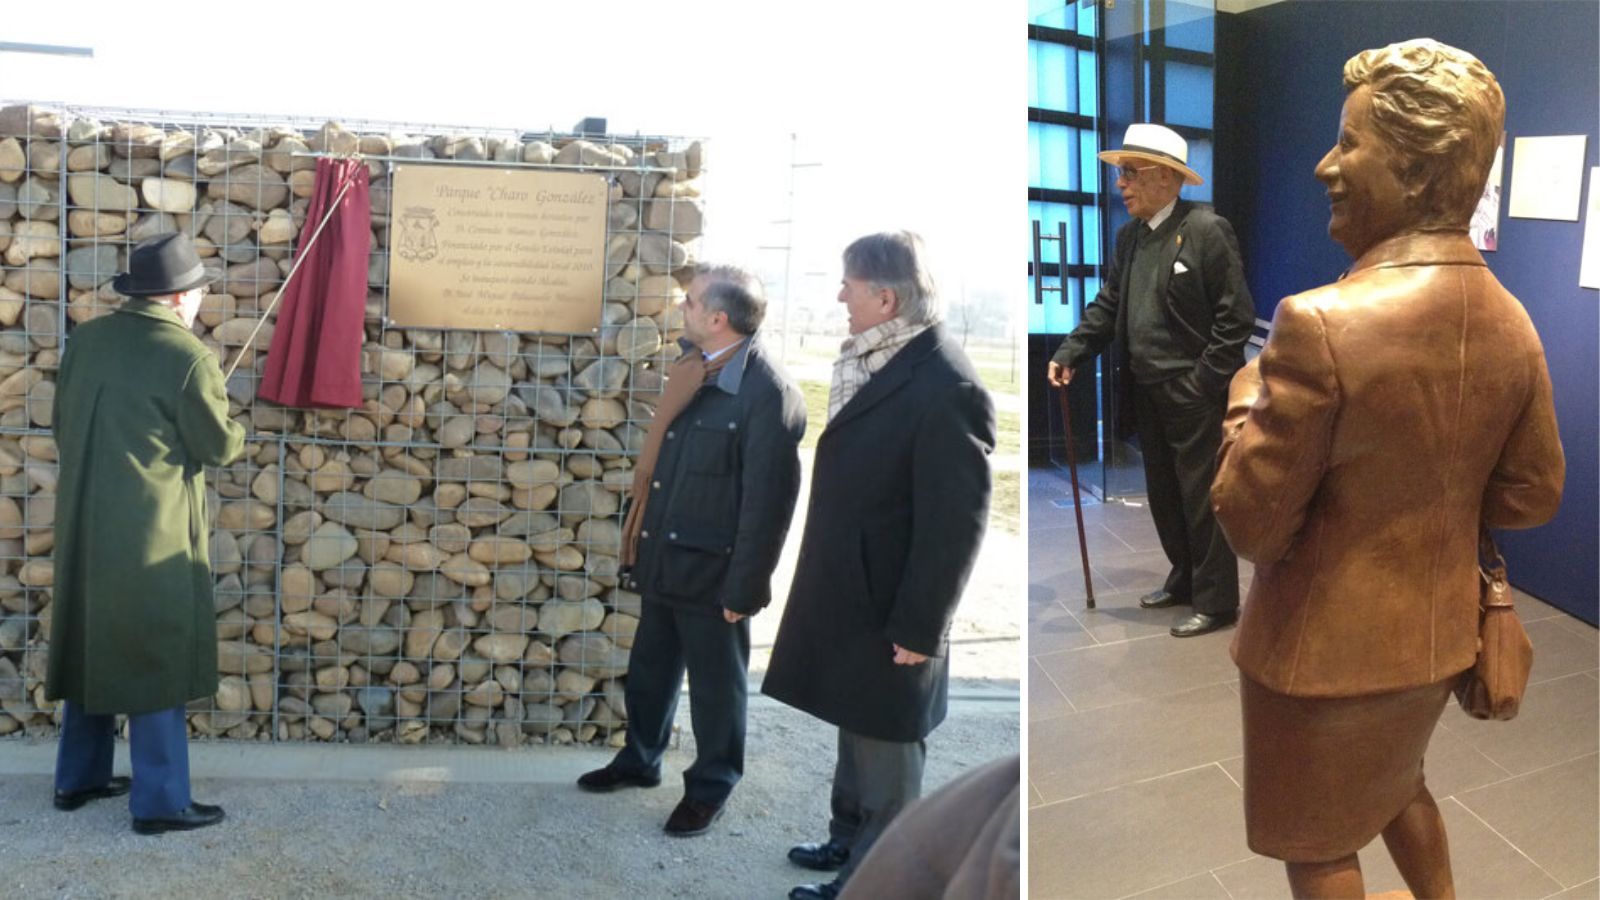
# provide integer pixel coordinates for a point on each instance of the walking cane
(299, 257)
(1077, 501)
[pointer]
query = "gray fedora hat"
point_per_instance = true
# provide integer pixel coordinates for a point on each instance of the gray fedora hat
(164, 264)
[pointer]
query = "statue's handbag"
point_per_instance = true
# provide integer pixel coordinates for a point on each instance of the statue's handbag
(1493, 687)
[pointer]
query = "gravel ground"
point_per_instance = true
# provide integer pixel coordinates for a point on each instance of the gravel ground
(410, 835)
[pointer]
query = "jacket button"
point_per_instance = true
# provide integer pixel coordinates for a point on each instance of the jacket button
(672, 536)
(669, 434)
(643, 533)
(733, 426)
(656, 485)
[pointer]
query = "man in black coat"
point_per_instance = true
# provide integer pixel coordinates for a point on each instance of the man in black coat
(713, 492)
(899, 501)
(1175, 302)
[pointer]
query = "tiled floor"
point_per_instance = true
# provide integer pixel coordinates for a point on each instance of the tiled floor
(1134, 748)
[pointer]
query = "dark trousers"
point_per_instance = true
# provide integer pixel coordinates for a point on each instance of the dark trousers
(1179, 434)
(158, 743)
(716, 655)
(873, 780)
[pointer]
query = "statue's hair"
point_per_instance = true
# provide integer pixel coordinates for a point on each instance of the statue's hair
(1442, 111)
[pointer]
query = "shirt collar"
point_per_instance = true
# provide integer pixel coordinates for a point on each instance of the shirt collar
(732, 373)
(1161, 216)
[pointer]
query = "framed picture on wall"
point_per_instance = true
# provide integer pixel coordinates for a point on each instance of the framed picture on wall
(1485, 227)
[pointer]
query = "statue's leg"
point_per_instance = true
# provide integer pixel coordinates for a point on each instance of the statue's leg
(1337, 880)
(1421, 852)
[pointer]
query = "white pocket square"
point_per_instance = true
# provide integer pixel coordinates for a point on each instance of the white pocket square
(1178, 268)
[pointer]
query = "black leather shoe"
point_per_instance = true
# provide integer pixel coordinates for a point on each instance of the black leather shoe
(824, 857)
(1158, 600)
(68, 801)
(195, 815)
(825, 891)
(1203, 623)
(691, 817)
(604, 781)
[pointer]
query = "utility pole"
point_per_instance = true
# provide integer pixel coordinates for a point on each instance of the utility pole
(788, 240)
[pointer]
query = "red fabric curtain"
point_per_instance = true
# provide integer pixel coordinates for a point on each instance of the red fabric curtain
(315, 358)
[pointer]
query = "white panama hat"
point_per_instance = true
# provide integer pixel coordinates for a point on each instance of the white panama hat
(1157, 144)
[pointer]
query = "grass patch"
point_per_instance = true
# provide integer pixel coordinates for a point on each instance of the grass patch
(816, 395)
(1008, 432)
(1005, 507)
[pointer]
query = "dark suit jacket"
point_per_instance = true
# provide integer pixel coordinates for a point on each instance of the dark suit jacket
(1208, 306)
(899, 500)
(724, 490)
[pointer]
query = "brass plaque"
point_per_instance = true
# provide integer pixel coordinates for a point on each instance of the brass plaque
(497, 249)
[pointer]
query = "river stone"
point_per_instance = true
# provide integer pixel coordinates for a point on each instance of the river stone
(602, 413)
(603, 378)
(601, 535)
(375, 702)
(683, 219)
(558, 618)
(329, 546)
(548, 404)
(32, 240)
(252, 279)
(594, 654)
(168, 196)
(499, 551)
(357, 511)
(239, 332)
(426, 626)
(36, 199)
(238, 658)
(395, 487)
(502, 648)
(279, 228)
(229, 224)
(13, 160)
(587, 500)
(417, 557)
(253, 185)
(369, 641)
(88, 158)
(621, 628)
(660, 254)
(638, 340)
(89, 267)
(92, 190)
(150, 224)
(463, 569)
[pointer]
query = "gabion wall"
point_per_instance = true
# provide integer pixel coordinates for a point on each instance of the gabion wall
(440, 565)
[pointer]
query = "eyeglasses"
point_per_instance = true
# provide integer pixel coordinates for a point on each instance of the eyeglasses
(1131, 173)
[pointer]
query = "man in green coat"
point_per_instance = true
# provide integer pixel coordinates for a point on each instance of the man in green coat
(140, 409)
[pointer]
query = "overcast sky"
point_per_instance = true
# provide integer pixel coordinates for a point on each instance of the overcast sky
(915, 115)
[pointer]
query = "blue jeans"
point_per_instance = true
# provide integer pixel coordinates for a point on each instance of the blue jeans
(158, 742)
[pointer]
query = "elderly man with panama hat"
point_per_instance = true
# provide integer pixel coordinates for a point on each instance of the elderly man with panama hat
(1174, 309)
(140, 410)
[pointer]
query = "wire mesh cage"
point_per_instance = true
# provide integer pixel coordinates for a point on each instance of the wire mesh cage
(440, 564)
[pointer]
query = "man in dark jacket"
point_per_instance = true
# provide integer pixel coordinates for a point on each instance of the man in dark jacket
(899, 501)
(1175, 302)
(713, 491)
(140, 410)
